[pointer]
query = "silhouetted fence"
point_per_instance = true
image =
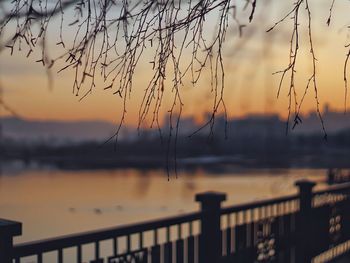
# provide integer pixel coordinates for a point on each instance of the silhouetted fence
(338, 176)
(302, 228)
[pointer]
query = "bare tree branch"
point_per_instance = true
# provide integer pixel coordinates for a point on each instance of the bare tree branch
(180, 40)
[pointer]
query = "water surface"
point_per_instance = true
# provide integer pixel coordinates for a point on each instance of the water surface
(53, 202)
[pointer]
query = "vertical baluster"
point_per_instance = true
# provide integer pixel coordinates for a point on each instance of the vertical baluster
(97, 250)
(155, 237)
(179, 246)
(17, 260)
(155, 251)
(228, 235)
(168, 234)
(168, 252)
(60, 256)
(40, 258)
(115, 246)
(190, 245)
(253, 228)
(128, 243)
(248, 229)
(234, 230)
(79, 254)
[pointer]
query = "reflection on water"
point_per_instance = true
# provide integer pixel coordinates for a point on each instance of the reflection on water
(53, 202)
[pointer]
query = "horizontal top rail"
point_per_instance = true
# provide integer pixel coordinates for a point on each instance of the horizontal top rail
(257, 204)
(333, 189)
(47, 245)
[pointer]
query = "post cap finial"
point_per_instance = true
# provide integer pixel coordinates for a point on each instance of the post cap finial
(211, 197)
(305, 184)
(10, 228)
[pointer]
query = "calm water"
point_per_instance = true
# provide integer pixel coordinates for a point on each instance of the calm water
(52, 202)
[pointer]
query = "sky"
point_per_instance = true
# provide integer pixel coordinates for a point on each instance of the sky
(250, 86)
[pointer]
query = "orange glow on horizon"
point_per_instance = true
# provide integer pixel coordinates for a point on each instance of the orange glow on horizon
(250, 87)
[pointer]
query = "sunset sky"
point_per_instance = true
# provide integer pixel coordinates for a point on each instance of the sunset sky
(250, 85)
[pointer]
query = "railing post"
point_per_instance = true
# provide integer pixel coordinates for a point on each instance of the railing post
(331, 176)
(304, 222)
(8, 229)
(210, 243)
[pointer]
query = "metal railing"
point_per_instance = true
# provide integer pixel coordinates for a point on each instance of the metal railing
(305, 227)
(138, 242)
(254, 232)
(338, 176)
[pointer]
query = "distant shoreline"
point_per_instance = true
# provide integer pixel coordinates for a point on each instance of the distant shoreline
(217, 163)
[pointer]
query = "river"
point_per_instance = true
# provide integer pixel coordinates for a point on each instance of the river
(52, 202)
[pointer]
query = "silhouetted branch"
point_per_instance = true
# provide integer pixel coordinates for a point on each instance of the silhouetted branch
(180, 40)
(291, 67)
